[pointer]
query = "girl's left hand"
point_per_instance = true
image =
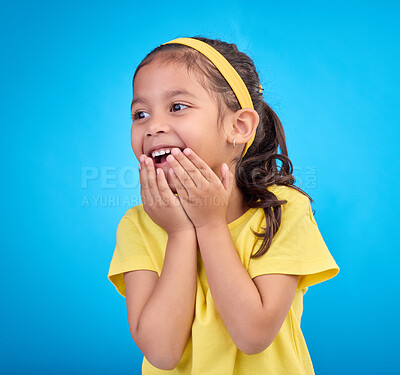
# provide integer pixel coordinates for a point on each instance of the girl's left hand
(202, 194)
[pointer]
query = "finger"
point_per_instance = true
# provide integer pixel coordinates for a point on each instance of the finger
(201, 165)
(180, 189)
(181, 173)
(144, 188)
(148, 196)
(188, 166)
(142, 173)
(167, 196)
(151, 177)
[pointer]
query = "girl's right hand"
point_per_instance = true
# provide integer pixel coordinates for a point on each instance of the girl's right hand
(159, 202)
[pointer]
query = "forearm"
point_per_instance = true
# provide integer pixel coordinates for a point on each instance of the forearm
(235, 295)
(167, 317)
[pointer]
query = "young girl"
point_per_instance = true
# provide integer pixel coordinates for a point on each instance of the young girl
(215, 262)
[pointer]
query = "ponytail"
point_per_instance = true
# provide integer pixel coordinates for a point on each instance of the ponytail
(258, 170)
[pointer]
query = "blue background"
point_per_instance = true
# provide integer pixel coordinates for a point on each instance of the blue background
(330, 71)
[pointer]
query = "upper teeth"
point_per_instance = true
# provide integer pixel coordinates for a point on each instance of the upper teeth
(160, 152)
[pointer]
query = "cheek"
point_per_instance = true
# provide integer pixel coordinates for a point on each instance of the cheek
(136, 143)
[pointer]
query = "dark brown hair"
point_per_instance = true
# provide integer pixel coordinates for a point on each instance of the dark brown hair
(258, 168)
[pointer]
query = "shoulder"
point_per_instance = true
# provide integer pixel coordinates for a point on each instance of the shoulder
(137, 219)
(296, 212)
(137, 215)
(134, 213)
(295, 199)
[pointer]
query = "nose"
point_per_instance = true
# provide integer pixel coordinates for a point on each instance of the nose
(157, 124)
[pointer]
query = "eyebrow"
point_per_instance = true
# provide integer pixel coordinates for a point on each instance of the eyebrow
(168, 94)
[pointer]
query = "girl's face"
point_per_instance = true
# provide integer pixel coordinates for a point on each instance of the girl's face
(171, 109)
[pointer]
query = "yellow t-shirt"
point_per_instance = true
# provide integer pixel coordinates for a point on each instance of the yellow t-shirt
(297, 248)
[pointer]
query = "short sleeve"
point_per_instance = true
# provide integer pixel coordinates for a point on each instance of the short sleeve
(130, 254)
(297, 248)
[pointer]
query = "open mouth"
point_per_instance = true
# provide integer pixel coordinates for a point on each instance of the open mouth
(161, 160)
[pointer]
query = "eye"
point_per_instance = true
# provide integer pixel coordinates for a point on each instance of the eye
(138, 115)
(175, 106)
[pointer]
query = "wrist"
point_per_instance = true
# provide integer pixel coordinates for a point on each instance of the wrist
(186, 232)
(212, 226)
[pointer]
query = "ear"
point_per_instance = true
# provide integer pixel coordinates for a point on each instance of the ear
(243, 126)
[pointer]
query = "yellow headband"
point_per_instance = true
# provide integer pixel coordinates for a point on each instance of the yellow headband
(230, 74)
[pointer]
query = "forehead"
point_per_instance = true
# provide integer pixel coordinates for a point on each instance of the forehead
(160, 77)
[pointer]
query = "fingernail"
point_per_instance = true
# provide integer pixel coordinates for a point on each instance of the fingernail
(141, 158)
(158, 171)
(147, 161)
(170, 158)
(175, 151)
(187, 151)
